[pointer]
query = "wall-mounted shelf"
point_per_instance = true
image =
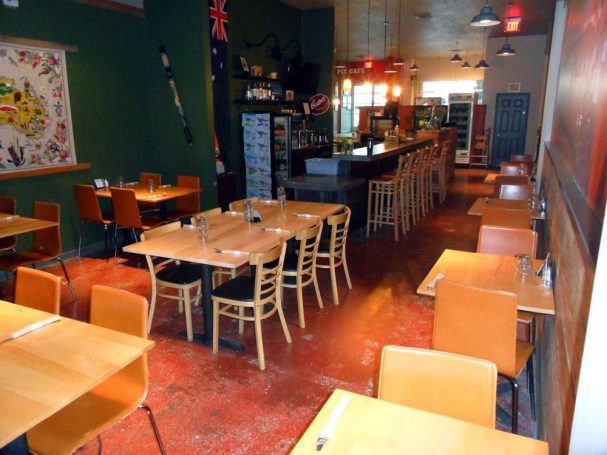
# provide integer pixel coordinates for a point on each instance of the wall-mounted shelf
(249, 77)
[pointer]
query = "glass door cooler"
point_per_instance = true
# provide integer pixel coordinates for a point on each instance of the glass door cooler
(460, 115)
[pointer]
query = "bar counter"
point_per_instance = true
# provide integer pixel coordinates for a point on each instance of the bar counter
(382, 151)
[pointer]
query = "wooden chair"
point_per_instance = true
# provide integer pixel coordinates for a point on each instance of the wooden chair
(171, 274)
(411, 208)
(186, 205)
(509, 180)
(332, 254)
(439, 173)
(260, 293)
(479, 155)
(8, 205)
(422, 182)
(116, 397)
(238, 206)
(127, 214)
(46, 245)
(90, 212)
(449, 384)
(521, 158)
(509, 242)
(481, 323)
(516, 192)
(38, 289)
(514, 218)
(299, 269)
(385, 199)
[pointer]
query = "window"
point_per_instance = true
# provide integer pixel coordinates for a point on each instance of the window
(366, 95)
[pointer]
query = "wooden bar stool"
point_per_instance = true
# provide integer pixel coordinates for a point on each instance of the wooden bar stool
(439, 174)
(414, 185)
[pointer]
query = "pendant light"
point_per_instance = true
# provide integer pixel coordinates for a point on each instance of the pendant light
(506, 50)
(368, 61)
(486, 18)
(466, 65)
(347, 84)
(339, 64)
(456, 58)
(482, 64)
(414, 66)
(399, 61)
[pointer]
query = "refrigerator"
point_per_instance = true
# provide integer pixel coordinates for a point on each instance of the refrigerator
(461, 108)
(267, 152)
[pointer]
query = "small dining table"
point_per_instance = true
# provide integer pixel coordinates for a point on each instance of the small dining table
(45, 370)
(231, 239)
(370, 426)
(492, 271)
(482, 202)
(16, 224)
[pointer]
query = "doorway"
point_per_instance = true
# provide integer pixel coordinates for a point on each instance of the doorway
(510, 129)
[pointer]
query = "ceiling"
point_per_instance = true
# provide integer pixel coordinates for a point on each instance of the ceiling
(429, 28)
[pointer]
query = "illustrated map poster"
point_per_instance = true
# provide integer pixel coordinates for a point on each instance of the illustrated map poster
(35, 123)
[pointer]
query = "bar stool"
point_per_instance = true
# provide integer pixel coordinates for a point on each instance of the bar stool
(439, 174)
(384, 199)
(413, 177)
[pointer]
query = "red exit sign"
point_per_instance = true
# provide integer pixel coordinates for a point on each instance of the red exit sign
(512, 24)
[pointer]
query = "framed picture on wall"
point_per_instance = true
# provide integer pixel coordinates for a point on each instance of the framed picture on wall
(244, 65)
(514, 87)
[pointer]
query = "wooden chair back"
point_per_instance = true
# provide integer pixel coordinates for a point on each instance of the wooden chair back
(308, 239)
(145, 177)
(8, 205)
(47, 241)
(126, 209)
(507, 241)
(339, 233)
(268, 268)
(476, 322)
(238, 206)
(191, 202)
(448, 384)
(515, 192)
(514, 218)
(521, 158)
(89, 209)
(38, 289)
(504, 179)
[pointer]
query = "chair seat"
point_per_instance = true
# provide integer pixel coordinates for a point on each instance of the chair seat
(180, 274)
(240, 288)
(523, 352)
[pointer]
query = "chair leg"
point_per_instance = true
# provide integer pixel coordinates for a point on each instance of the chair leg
(345, 265)
(150, 414)
(333, 281)
(152, 304)
(283, 321)
(531, 385)
(115, 241)
(215, 325)
(240, 321)
(67, 277)
(369, 207)
(99, 445)
(514, 384)
(188, 314)
(80, 237)
(106, 242)
(259, 337)
(316, 288)
(300, 307)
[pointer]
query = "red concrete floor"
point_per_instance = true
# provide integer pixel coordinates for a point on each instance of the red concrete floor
(207, 403)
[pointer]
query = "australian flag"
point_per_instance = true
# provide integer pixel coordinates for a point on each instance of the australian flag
(218, 16)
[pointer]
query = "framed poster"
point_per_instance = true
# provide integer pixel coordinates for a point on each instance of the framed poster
(35, 122)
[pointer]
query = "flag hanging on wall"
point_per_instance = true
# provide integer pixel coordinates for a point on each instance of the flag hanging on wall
(218, 17)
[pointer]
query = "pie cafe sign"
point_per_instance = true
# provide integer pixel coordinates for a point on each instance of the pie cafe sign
(351, 71)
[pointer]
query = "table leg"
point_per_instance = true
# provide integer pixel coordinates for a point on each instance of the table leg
(16, 447)
(206, 337)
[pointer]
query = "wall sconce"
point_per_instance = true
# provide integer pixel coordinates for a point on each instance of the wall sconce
(275, 51)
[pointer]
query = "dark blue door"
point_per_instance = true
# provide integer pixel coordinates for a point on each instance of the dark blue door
(510, 127)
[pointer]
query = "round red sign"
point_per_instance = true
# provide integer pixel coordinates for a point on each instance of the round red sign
(319, 104)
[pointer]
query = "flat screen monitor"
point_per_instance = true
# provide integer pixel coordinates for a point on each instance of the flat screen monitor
(303, 78)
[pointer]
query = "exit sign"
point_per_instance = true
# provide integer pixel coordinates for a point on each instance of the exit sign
(512, 24)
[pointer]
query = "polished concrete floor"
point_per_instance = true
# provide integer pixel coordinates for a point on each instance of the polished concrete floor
(222, 403)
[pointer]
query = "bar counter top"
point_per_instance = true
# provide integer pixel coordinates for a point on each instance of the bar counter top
(382, 151)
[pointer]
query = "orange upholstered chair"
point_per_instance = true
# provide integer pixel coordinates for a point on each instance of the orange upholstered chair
(514, 218)
(481, 323)
(186, 205)
(515, 192)
(90, 212)
(509, 180)
(97, 410)
(38, 289)
(440, 382)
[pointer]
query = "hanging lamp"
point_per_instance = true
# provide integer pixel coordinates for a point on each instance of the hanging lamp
(368, 61)
(399, 61)
(414, 66)
(482, 64)
(506, 50)
(456, 58)
(339, 64)
(347, 84)
(486, 18)
(466, 65)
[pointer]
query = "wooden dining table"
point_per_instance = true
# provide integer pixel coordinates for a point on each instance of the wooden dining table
(16, 224)
(372, 426)
(482, 202)
(492, 271)
(231, 239)
(45, 370)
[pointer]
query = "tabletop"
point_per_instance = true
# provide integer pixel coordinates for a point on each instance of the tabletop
(383, 150)
(16, 224)
(162, 194)
(482, 202)
(369, 425)
(45, 370)
(491, 271)
(230, 231)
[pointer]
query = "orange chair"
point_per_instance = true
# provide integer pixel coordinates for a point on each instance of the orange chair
(299, 269)
(37, 289)
(8, 205)
(46, 245)
(481, 323)
(97, 410)
(514, 218)
(90, 212)
(501, 179)
(516, 192)
(449, 384)
(186, 205)
(127, 215)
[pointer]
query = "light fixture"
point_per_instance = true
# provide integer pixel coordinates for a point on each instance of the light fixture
(368, 61)
(482, 64)
(347, 84)
(466, 65)
(486, 18)
(275, 51)
(506, 50)
(456, 58)
(383, 89)
(399, 61)
(336, 103)
(414, 67)
(389, 63)
(396, 91)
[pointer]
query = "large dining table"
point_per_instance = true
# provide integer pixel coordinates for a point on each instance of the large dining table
(491, 271)
(16, 224)
(231, 239)
(372, 426)
(483, 202)
(45, 370)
